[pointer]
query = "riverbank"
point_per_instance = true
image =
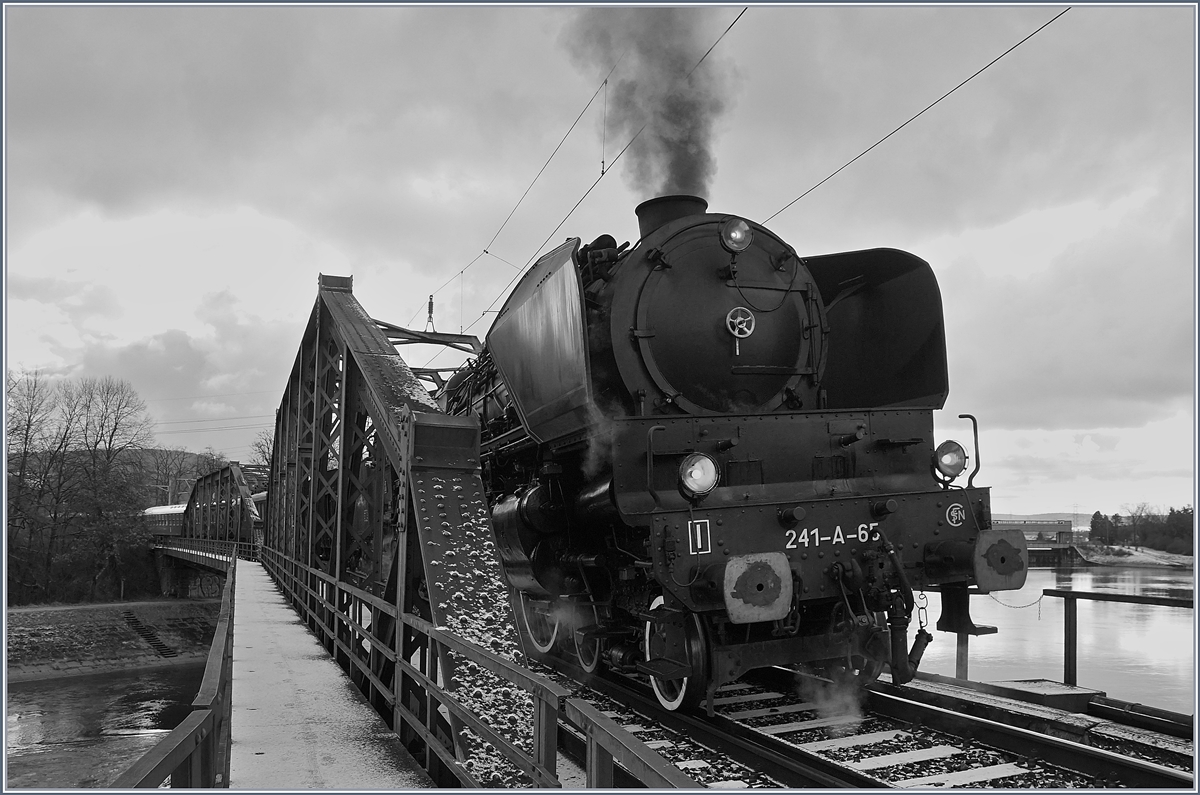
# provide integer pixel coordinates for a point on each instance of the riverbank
(1102, 555)
(71, 640)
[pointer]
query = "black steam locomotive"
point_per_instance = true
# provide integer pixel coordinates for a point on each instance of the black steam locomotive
(707, 454)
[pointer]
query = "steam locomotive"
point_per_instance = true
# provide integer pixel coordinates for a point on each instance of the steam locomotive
(707, 454)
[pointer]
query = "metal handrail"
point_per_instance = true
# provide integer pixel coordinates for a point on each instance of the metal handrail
(196, 753)
(608, 743)
(207, 546)
(1100, 596)
(1071, 619)
(177, 756)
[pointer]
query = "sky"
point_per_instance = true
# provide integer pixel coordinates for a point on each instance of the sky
(177, 177)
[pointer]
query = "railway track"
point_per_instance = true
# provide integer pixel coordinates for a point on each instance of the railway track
(781, 729)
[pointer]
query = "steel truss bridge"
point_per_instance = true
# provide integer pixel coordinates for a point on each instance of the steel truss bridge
(377, 533)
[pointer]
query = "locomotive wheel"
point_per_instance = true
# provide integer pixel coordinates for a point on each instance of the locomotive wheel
(541, 622)
(588, 649)
(685, 693)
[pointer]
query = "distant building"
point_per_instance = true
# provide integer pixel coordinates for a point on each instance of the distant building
(1050, 531)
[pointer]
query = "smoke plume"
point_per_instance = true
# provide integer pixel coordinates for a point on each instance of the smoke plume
(657, 48)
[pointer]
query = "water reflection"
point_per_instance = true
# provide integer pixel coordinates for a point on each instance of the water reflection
(84, 731)
(1139, 653)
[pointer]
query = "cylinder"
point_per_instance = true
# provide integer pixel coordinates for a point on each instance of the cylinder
(595, 500)
(537, 511)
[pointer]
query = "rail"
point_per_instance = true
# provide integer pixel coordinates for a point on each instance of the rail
(196, 753)
(1071, 619)
(374, 642)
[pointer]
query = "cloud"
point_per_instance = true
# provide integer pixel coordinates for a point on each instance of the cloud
(241, 360)
(1100, 336)
(345, 121)
(177, 176)
(1035, 470)
(1084, 109)
(79, 301)
(1103, 442)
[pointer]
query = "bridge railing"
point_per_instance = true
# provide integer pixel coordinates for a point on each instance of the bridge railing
(1071, 619)
(362, 631)
(210, 547)
(196, 753)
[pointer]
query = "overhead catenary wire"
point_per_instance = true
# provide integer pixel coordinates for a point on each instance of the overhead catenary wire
(602, 85)
(542, 170)
(927, 107)
(204, 397)
(445, 283)
(217, 419)
(604, 129)
(502, 259)
(211, 430)
(715, 43)
(603, 173)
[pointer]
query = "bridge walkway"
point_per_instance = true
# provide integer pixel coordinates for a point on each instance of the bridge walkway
(297, 721)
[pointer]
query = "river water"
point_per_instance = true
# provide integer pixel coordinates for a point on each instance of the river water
(84, 731)
(1139, 653)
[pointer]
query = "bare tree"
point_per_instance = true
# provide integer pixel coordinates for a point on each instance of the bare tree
(209, 461)
(75, 484)
(31, 403)
(263, 447)
(1141, 516)
(170, 483)
(115, 425)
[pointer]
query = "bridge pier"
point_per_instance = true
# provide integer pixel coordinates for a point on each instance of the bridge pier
(183, 581)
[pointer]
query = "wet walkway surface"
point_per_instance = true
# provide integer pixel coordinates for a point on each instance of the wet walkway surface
(297, 721)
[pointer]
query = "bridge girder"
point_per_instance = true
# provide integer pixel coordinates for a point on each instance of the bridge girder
(338, 490)
(221, 507)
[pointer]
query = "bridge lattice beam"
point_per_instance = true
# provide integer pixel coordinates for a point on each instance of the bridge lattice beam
(221, 508)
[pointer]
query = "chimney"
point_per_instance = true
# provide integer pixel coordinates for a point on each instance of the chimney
(653, 213)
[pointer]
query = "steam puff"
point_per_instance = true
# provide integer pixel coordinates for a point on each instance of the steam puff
(651, 87)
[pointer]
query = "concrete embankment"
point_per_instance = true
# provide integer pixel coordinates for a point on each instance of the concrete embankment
(54, 641)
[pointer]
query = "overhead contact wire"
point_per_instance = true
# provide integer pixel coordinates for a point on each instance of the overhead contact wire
(715, 43)
(902, 126)
(603, 173)
(448, 282)
(687, 77)
(545, 165)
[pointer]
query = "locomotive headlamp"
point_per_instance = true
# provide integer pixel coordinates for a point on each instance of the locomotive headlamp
(698, 475)
(736, 235)
(950, 459)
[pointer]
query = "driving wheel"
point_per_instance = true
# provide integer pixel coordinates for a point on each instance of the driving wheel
(684, 644)
(541, 622)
